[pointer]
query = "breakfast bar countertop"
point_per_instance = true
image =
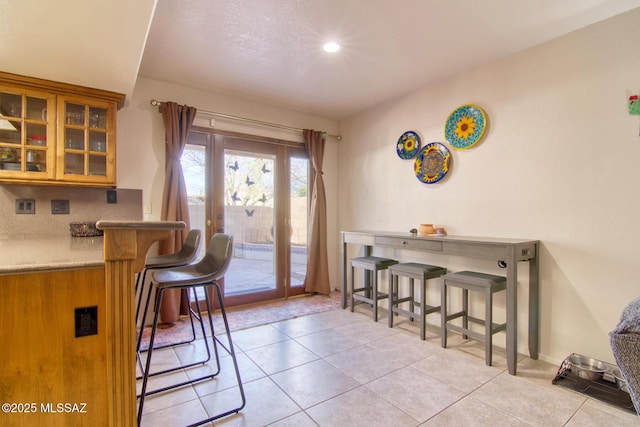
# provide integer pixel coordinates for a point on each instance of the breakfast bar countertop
(30, 253)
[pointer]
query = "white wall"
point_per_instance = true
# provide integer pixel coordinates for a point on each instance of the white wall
(141, 138)
(559, 163)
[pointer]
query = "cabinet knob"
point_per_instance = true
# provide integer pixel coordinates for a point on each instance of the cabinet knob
(404, 242)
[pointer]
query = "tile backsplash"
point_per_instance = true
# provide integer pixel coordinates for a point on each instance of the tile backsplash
(85, 204)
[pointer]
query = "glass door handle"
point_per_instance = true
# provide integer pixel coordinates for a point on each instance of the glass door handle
(218, 229)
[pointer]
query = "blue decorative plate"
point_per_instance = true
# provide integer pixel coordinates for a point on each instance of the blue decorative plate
(432, 163)
(408, 145)
(465, 126)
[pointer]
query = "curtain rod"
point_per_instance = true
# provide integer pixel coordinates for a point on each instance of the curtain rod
(157, 103)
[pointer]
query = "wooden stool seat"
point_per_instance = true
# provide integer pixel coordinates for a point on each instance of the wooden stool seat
(478, 282)
(413, 271)
(370, 294)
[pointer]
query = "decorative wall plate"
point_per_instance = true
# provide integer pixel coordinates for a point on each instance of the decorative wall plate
(432, 163)
(408, 145)
(465, 126)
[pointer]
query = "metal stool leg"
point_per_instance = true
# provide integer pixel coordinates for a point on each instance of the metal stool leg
(192, 314)
(147, 368)
(443, 314)
(393, 295)
(140, 278)
(146, 372)
(412, 298)
(465, 307)
(488, 325)
(423, 308)
(193, 337)
(352, 287)
(375, 295)
(228, 347)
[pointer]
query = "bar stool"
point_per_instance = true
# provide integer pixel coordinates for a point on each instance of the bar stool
(205, 273)
(371, 266)
(479, 282)
(184, 256)
(414, 271)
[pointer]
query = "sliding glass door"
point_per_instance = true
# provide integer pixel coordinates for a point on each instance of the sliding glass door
(250, 217)
(299, 213)
(255, 189)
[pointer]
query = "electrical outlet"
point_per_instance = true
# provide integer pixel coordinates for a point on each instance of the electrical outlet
(59, 207)
(25, 206)
(112, 196)
(86, 321)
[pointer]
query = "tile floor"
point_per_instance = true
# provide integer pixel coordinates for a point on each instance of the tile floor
(338, 368)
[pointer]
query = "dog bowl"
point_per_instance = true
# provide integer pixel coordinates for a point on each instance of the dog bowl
(587, 367)
(620, 382)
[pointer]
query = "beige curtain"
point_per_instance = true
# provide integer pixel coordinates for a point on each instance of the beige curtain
(177, 123)
(317, 279)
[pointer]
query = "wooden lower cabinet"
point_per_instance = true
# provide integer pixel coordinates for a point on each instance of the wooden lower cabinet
(48, 376)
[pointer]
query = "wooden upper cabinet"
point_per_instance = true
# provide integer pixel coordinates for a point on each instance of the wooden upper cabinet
(56, 133)
(86, 149)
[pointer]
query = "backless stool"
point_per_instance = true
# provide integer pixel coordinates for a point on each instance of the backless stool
(479, 282)
(414, 271)
(371, 265)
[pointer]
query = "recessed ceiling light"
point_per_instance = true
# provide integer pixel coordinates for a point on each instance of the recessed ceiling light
(331, 47)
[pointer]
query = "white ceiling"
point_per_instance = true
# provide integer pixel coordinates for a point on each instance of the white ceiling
(90, 43)
(270, 50)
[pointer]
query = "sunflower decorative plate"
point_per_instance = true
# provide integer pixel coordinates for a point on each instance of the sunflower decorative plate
(432, 163)
(408, 145)
(465, 126)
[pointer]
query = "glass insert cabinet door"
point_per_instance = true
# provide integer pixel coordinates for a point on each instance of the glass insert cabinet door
(85, 136)
(27, 133)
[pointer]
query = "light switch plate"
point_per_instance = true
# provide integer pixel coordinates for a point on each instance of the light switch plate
(59, 207)
(112, 196)
(25, 206)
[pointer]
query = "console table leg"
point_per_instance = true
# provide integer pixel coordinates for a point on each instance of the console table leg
(512, 310)
(534, 301)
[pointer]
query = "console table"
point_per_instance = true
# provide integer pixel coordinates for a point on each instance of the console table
(509, 251)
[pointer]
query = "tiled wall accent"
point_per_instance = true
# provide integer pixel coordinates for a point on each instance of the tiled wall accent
(85, 204)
